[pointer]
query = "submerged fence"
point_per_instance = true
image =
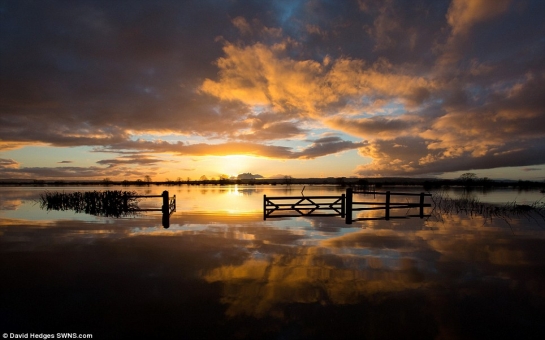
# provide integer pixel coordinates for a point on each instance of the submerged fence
(343, 206)
(106, 203)
(168, 206)
(386, 206)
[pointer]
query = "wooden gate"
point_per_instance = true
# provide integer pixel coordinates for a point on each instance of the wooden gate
(303, 206)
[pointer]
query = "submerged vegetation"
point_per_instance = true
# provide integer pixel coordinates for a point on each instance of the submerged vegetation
(113, 203)
(471, 206)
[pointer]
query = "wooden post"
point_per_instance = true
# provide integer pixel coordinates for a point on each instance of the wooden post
(166, 221)
(343, 197)
(387, 206)
(348, 206)
(421, 205)
(164, 208)
(264, 207)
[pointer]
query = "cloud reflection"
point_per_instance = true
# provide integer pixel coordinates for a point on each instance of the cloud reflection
(439, 274)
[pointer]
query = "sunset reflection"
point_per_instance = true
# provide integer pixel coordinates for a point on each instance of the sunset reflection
(259, 286)
(363, 265)
(239, 276)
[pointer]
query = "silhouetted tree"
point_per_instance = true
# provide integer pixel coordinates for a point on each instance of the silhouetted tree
(147, 178)
(468, 176)
(468, 179)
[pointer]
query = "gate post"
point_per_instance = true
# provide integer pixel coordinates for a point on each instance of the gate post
(387, 206)
(348, 213)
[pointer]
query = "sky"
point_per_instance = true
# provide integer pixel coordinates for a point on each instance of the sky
(318, 88)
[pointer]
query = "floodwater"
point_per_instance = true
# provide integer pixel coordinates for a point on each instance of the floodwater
(220, 271)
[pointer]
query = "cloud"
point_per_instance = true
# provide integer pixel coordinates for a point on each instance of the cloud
(461, 82)
(378, 126)
(317, 148)
(8, 164)
(326, 146)
(507, 115)
(267, 126)
(61, 173)
(261, 75)
(242, 25)
(463, 14)
(129, 160)
(412, 156)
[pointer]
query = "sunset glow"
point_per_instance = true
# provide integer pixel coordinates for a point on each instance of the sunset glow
(178, 90)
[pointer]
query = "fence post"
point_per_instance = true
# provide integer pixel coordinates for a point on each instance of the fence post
(166, 221)
(387, 206)
(348, 213)
(421, 205)
(264, 207)
(164, 208)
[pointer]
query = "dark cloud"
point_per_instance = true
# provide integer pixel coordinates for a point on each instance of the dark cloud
(73, 172)
(129, 160)
(457, 85)
(376, 126)
(318, 148)
(411, 156)
(326, 146)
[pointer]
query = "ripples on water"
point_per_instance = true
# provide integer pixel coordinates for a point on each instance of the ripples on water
(221, 271)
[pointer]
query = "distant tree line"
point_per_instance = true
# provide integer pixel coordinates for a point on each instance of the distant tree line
(467, 180)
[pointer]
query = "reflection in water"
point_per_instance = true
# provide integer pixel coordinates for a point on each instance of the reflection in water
(264, 283)
(443, 264)
(227, 274)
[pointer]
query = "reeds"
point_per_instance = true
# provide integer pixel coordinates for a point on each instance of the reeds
(444, 204)
(114, 203)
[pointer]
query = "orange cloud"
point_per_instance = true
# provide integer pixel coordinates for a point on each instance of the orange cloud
(262, 75)
(463, 14)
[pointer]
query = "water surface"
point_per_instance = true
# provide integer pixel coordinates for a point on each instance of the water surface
(221, 271)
